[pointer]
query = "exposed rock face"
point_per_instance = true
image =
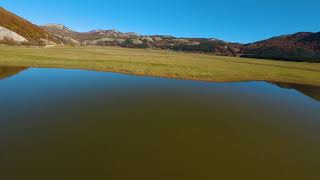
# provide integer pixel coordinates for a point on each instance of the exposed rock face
(194, 44)
(303, 46)
(136, 41)
(71, 41)
(147, 38)
(133, 34)
(120, 41)
(7, 34)
(85, 43)
(215, 39)
(181, 40)
(296, 47)
(105, 42)
(48, 43)
(58, 26)
(157, 39)
(100, 41)
(68, 40)
(106, 33)
(24, 31)
(106, 39)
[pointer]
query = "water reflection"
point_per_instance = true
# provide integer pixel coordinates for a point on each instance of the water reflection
(8, 71)
(74, 124)
(311, 91)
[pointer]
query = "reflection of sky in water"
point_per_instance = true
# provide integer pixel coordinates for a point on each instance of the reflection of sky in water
(76, 80)
(44, 84)
(129, 124)
(35, 89)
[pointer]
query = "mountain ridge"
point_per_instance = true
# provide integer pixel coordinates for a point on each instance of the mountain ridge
(133, 40)
(301, 46)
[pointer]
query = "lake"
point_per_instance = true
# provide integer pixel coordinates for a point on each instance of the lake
(76, 124)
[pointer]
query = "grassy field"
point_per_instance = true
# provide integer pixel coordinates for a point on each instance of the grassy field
(162, 64)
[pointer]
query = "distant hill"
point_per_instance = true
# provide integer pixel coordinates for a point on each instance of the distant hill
(134, 40)
(304, 46)
(297, 47)
(14, 26)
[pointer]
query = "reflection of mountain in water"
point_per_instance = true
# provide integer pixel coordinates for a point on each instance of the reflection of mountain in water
(7, 71)
(311, 91)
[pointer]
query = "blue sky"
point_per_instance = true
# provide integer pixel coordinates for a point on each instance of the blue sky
(237, 21)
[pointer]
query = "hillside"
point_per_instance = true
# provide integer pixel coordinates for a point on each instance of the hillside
(134, 40)
(296, 47)
(304, 46)
(34, 34)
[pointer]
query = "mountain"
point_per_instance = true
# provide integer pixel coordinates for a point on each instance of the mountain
(134, 40)
(95, 37)
(303, 46)
(16, 30)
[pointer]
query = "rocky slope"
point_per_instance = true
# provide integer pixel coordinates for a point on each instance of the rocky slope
(7, 35)
(303, 46)
(15, 29)
(134, 40)
(296, 47)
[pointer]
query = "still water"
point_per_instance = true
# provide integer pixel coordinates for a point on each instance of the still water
(75, 124)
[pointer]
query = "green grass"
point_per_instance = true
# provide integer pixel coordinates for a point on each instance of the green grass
(163, 64)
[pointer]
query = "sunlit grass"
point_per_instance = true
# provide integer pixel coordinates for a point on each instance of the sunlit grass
(163, 64)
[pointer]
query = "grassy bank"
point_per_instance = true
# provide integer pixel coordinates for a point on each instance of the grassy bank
(163, 64)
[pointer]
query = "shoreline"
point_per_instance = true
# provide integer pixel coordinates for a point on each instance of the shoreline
(163, 64)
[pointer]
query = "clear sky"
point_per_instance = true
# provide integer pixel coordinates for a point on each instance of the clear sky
(231, 20)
